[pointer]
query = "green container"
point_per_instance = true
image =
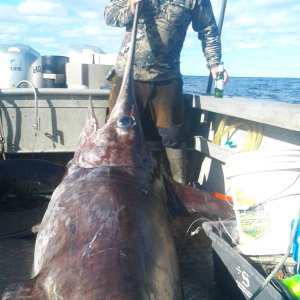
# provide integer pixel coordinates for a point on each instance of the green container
(293, 285)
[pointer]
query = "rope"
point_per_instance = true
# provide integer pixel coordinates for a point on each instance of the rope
(2, 140)
(254, 133)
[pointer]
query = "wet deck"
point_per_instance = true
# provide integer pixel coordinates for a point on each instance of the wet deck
(194, 251)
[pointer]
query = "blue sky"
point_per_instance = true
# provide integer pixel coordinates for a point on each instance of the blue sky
(261, 38)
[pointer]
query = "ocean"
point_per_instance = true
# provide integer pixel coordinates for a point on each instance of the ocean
(265, 88)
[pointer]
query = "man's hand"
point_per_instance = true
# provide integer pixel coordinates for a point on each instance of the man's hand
(214, 72)
(133, 5)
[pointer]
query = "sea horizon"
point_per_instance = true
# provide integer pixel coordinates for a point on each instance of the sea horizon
(276, 77)
(264, 88)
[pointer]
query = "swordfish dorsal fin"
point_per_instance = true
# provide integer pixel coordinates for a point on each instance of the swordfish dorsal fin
(88, 133)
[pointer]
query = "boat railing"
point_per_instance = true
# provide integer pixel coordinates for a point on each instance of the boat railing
(62, 111)
(277, 123)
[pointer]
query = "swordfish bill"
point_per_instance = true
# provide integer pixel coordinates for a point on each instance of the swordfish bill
(105, 234)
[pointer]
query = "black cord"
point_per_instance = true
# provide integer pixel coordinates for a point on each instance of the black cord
(283, 288)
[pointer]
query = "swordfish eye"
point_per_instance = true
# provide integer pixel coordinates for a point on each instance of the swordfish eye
(125, 122)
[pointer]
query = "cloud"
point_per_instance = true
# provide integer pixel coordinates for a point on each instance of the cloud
(259, 24)
(85, 31)
(89, 15)
(273, 4)
(6, 12)
(37, 7)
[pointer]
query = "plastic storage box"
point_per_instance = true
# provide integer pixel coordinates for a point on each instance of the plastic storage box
(237, 278)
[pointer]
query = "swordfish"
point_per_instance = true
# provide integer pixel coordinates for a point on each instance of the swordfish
(106, 232)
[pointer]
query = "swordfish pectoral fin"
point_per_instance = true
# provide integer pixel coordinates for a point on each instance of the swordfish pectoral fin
(23, 290)
(201, 201)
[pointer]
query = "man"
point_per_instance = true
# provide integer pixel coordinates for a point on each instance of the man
(162, 27)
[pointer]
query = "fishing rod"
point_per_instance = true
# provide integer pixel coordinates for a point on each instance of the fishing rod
(220, 25)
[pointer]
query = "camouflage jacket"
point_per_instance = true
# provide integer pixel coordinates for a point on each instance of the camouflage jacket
(162, 27)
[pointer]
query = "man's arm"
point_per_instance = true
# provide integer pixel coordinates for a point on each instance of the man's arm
(118, 13)
(204, 23)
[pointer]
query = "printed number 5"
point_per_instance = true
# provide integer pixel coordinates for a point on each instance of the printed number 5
(245, 281)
